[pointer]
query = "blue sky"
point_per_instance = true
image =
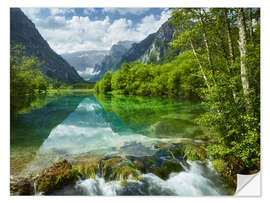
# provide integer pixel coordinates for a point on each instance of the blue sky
(77, 29)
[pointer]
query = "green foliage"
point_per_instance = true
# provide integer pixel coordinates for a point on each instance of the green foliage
(195, 153)
(220, 165)
(232, 113)
(83, 85)
(175, 79)
(104, 85)
(25, 78)
(25, 75)
(210, 67)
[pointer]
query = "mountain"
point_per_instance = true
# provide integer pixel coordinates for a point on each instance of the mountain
(85, 61)
(24, 32)
(152, 49)
(160, 45)
(111, 61)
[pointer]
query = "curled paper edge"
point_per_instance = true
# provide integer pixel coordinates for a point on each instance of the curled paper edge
(248, 185)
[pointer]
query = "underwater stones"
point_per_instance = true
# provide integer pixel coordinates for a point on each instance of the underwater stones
(21, 185)
(55, 177)
(136, 149)
(171, 127)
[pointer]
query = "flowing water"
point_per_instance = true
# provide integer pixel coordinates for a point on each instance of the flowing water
(74, 125)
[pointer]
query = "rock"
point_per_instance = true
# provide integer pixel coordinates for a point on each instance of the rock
(176, 127)
(166, 160)
(195, 152)
(220, 166)
(167, 167)
(117, 168)
(229, 177)
(57, 176)
(88, 167)
(21, 185)
(150, 50)
(112, 60)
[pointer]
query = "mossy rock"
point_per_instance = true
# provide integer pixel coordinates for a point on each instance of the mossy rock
(162, 163)
(117, 168)
(177, 151)
(167, 167)
(125, 172)
(195, 153)
(236, 165)
(228, 176)
(57, 176)
(88, 167)
(21, 185)
(145, 164)
(220, 166)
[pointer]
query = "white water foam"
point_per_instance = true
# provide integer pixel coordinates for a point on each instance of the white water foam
(199, 180)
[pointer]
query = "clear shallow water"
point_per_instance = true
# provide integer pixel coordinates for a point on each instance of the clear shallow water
(77, 125)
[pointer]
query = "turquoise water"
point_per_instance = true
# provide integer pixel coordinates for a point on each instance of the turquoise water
(77, 126)
(68, 126)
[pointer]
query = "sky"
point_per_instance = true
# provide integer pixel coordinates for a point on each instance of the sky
(69, 30)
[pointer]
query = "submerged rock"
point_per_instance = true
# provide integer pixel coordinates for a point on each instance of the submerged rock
(176, 127)
(57, 176)
(21, 185)
(166, 160)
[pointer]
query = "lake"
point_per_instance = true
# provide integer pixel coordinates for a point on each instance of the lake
(70, 126)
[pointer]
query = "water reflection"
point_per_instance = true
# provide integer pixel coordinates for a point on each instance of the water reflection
(90, 129)
(72, 125)
(29, 130)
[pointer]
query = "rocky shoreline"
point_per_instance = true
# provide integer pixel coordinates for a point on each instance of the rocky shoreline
(168, 158)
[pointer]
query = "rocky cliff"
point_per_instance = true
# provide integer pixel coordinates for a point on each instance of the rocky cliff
(150, 50)
(112, 60)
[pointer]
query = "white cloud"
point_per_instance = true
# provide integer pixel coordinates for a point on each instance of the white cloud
(81, 33)
(61, 11)
(88, 72)
(31, 13)
(124, 11)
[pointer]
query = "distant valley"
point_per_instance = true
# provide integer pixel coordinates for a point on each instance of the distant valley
(85, 61)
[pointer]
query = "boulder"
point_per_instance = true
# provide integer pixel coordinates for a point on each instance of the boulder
(21, 185)
(57, 176)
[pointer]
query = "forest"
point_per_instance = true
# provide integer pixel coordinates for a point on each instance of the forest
(219, 65)
(27, 80)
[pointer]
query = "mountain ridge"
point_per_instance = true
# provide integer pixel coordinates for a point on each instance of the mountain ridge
(111, 61)
(85, 61)
(24, 32)
(151, 49)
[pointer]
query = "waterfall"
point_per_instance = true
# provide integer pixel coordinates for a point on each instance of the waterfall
(198, 180)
